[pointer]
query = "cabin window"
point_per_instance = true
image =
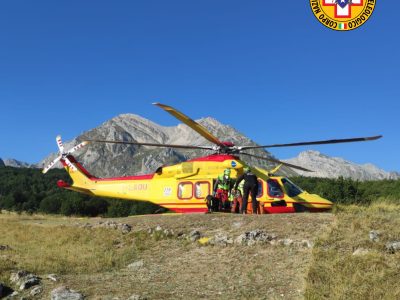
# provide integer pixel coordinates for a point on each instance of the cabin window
(291, 189)
(274, 189)
(260, 191)
(185, 190)
(201, 189)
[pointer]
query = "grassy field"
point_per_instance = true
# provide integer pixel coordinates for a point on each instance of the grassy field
(94, 260)
(335, 273)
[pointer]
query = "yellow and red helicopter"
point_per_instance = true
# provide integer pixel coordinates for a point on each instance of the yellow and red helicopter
(183, 187)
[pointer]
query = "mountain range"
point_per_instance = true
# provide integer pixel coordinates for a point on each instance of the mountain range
(10, 162)
(333, 167)
(104, 160)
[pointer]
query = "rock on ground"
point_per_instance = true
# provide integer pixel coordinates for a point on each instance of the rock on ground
(17, 276)
(65, 293)
(286, 242)
(221, 239)
(161, 232)
(374, 236)
(24, 279)
(393, 246)
(29, 282)
(136, 265)
(307, 243)
(137, 297)
(4, 247)
(125, 228)
(52, 277)
(36, 291)
(361, 251)
(194, 236)
(253, 237)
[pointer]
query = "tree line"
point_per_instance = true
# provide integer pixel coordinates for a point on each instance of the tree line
(28, 190)
(349, 191)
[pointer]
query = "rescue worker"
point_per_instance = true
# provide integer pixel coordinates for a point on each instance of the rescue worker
(222, 188)
(250, 185)
(237, 199)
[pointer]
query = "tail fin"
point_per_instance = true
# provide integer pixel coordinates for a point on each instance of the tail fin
(83, 181)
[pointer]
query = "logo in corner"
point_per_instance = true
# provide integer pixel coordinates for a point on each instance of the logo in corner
(342, 15)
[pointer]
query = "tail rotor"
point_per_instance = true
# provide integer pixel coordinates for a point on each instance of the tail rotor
(63, 156)
(50, 165)
(60, 144)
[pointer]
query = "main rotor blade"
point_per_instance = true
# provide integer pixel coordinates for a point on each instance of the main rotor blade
(192, 124)
(276, 161)
(150, 144)
(337, 141)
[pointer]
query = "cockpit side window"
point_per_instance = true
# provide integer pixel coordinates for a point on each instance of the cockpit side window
(260, 191)
(291, 189)
(274, 189)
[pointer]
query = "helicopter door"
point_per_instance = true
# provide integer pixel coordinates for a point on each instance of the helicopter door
(276, 196)
(275, 193)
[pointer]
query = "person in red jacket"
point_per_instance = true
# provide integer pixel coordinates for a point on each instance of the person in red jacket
(222, 188)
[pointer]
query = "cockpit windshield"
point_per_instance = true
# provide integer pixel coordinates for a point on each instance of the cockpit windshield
(291, 189)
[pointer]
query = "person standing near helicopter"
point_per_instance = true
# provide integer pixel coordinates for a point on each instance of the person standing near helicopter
(222, 188)
(250, 185)
(237, 202)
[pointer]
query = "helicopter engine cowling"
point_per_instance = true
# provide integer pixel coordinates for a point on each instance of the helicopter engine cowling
(233, 164)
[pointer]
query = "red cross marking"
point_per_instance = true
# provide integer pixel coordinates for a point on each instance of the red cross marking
(342, 12)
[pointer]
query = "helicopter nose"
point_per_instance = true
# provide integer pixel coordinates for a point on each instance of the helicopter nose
(316, 203)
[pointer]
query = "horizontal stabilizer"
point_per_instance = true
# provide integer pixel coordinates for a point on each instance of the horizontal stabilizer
(64, 185)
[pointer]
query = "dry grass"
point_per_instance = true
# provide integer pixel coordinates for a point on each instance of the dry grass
(335, 273)
(94, 261)
(61, 249)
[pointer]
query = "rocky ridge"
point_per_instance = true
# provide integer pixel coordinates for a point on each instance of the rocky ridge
(333, 167)
(104, 160)
(10, 162)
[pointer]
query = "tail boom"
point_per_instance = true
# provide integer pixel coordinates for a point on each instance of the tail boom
(129, 187)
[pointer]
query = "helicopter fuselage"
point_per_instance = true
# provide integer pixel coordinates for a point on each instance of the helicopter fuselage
(184, 187)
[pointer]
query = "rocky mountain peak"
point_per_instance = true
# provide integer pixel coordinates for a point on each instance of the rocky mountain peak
(105, 160)
(311, 153)
(133, 119)
(209, 121)
(333, 167)
(10, 162)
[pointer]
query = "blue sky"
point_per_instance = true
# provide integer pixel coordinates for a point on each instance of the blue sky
(267, 68)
